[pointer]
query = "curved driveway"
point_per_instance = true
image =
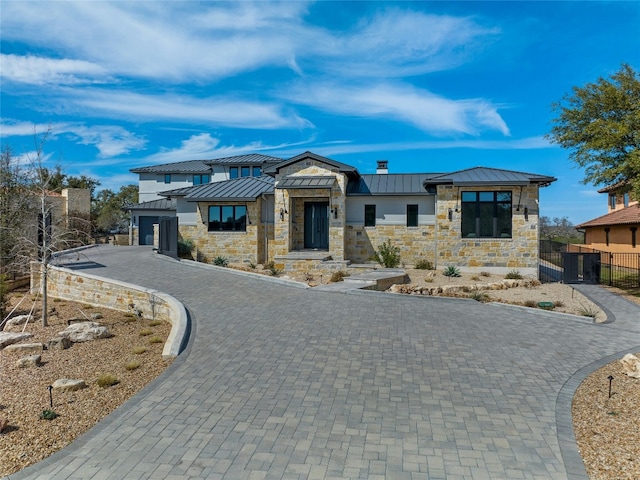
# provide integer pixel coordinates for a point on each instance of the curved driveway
(280, 382)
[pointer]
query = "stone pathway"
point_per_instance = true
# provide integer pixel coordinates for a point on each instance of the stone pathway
(280, 382)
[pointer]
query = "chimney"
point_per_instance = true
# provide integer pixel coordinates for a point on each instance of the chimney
(382, 167)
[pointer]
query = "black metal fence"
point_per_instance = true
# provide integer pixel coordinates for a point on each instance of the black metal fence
(620, 270)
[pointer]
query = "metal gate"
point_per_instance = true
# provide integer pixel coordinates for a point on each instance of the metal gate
(581, 268)
(168, 236)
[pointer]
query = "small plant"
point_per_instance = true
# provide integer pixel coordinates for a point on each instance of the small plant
(145, 331)
(129, 318)
(513, 275)
(559, 303)
(451, 271)
(129, 315)
(185, 247)
(252, 266)
(475, 278)
(479, 296)
(613, 413)
(388, 255)
(155, 340)
(155, 323)
(588, 311)
(429, 279)
(485, 274)
(107, 380)
(530, 303)
(220, 261)
(424, 265)
(338, 276)
(48, 415)
(133, 365)
(272, 269)
(139, 350)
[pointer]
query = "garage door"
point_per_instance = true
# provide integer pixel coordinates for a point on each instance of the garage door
(145, 229)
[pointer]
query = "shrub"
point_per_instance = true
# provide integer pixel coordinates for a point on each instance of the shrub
(530, 304)
(429, 279)
(559, 303)
(139, 350)
(252, 265)
(133, 365)
(185, 247)
(485, 274)
(338, 276)
(272, 269)
(155, 323)
(155, 340)
(479, 296)
(388, 255)
(424, 265)
(144, 332)
(107, 380)
(451, 271)
(220, 261)
(588, 311)
(48, 415)
(475, 278)
(513, 275)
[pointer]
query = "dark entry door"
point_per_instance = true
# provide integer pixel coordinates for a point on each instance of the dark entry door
(316, 225)
(145, 229)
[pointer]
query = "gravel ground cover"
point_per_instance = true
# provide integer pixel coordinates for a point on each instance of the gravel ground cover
(24, 394)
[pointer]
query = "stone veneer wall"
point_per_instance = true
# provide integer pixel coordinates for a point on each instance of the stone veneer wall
(415, 243)
(498, 254)
(287, 238)
(236, 247)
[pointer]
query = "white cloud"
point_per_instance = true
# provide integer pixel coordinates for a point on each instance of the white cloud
(426, 111)
(219, 111)
(42, 71)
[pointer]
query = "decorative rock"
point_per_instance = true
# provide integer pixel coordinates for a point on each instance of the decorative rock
(85, 332)
(96, 316)
(58, 343)
(20, 320)
(631, 365)
(9, 338)
(25, 347)
(30, 361)
(4, 423)
(68, 385)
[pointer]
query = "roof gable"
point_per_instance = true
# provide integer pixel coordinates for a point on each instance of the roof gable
(342, 167)
(488, 176)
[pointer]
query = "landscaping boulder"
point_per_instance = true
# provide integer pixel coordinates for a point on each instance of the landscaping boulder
(25, 347)
(30, 361)
(58, 343)
(9, 338)
(96, 316)
(631, 365)
(85, 332)
(20, 320)
(68, 385)
(4, 423)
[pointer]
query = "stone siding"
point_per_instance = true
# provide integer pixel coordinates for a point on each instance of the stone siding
(492, 254)
(415, 243)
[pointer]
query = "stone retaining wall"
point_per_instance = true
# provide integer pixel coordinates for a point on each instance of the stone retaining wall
(125, 297)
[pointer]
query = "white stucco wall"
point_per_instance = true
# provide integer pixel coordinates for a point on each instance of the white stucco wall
(391, 210)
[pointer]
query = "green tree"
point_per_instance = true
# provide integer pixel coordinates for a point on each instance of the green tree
(600, 125)
(107, 207)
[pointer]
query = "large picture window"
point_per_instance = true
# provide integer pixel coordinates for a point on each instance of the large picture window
(486, 214)
(229, 218)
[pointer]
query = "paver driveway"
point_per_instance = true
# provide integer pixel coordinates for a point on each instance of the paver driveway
(286, 383)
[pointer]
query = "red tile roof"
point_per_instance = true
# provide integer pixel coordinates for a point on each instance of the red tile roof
(623, 216)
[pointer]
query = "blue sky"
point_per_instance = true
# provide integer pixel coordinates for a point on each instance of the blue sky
(428, 86)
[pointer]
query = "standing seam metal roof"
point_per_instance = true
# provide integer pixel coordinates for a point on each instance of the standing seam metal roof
(488, 176)
(388, 184)
(189, 166)
(238, 189)
(319, 181)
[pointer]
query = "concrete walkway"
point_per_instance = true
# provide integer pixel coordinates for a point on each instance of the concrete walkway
(281, 382)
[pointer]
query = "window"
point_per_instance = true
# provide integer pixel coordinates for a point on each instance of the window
(233, 172)
(633, 236)
(626, 200)
(606, 235)
(257, 171)
(412, 215)
(167, 178)
(612, 202)
(245, 171)
(230, 218)
(486, 214)
(369, 215)
(201, 179)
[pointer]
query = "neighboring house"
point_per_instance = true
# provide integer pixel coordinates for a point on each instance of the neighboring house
(310, 210)
(617, 231)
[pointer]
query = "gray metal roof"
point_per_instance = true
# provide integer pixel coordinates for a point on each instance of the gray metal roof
(388, 184)
(488, 176)
(204, 166)
(160, 204)
(251, 158)
(189, 166)
(318, 181)
(244, 189)
(342, 167)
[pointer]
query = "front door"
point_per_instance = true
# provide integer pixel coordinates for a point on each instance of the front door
(316, 225)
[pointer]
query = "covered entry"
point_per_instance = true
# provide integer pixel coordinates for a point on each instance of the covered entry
(316, 225)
